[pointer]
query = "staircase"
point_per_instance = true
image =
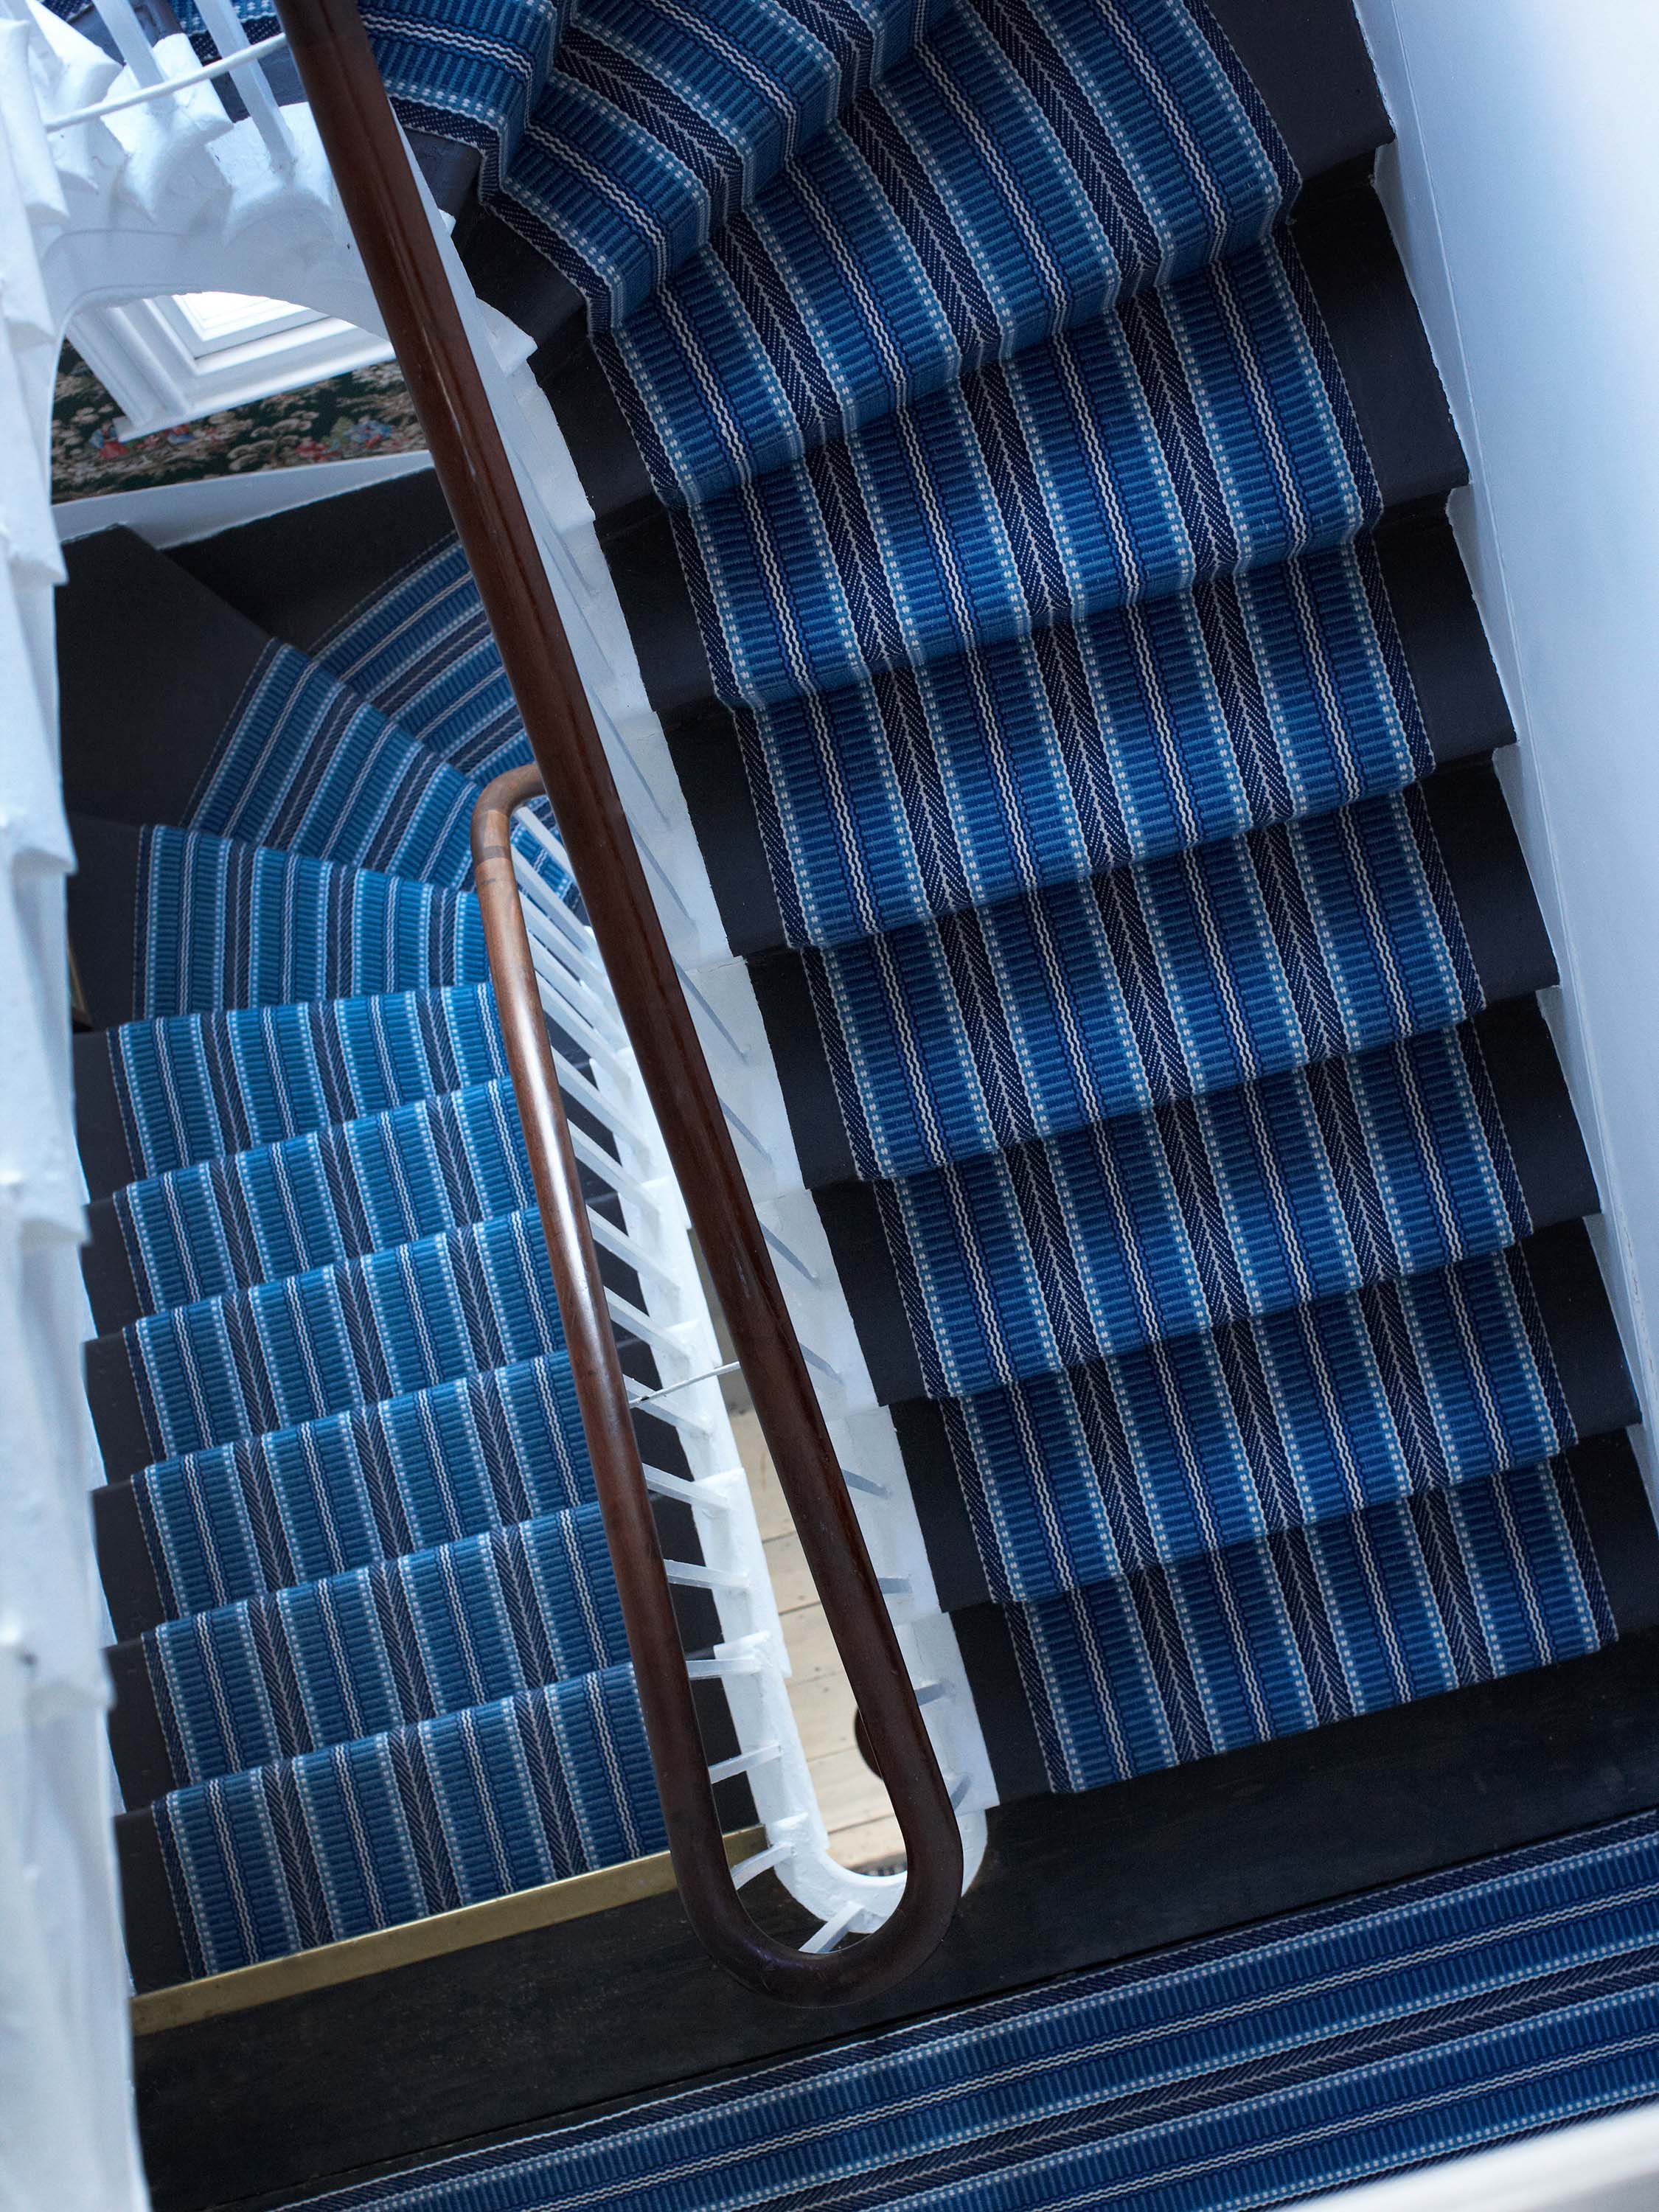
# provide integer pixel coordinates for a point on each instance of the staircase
(1027, 504)
(373, 1666)
(1019, 460)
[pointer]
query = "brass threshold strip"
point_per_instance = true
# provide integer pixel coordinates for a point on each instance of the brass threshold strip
(386, 1948)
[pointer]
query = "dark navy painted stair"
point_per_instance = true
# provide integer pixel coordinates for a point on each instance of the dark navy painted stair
(1023, 472)
(1012, 461)
(1022, 469)
(1025, 502)
(374, 1665)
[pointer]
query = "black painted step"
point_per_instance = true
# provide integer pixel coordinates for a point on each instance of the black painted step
(103, 929)
(299, 574)
(1615, 1503)
(100, 1133)
(1309, 63)
(1532, 1101)
(151, 665)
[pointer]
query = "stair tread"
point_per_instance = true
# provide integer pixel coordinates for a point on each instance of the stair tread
(1129, 510)
(357, 1186)
(349, 1489)
(287, 926)
(1282, 694)
(1036, 162)
(1313, 1184)
(420, 1819)
(1158, 1097)
(332, 1338)
(191, 1088)
(353, 1654)
(1303, 1416)
(1317, 941)
(1403, 1600)
(653, 126)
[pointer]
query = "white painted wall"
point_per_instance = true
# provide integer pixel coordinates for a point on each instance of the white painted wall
(165, 199)
(1524, 196)
(1524, 191)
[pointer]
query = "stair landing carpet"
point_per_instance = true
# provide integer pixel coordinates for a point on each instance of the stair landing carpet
(1356, 2040)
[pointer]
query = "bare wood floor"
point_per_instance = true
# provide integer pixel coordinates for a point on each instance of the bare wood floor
(862, 1830)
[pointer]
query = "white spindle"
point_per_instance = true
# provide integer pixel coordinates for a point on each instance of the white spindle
(120, 20)
(224, 28)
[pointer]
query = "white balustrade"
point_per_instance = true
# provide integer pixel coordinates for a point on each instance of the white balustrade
(123, 178)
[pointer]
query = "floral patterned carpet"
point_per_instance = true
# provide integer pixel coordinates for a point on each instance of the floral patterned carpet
(367, 412)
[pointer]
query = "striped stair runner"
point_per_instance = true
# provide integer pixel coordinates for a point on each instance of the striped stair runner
(1021, 467)
(372, 1665)
(1031, 485)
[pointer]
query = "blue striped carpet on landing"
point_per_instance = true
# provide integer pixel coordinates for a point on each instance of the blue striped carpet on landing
(1358, 2038)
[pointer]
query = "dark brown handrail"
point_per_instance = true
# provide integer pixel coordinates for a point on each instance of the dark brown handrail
(389, 222)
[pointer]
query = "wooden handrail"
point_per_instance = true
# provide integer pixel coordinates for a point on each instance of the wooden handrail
(388, 218)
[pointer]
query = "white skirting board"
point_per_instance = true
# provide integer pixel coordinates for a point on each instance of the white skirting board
(176, 514)
(1609, 2165)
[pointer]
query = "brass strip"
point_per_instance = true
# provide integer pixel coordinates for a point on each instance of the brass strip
(78, 1015)
(387, 1949)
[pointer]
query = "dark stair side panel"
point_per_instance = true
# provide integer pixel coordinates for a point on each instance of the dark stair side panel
(100, 1133)
(1458, 694)
(1542, 1129)
(1583, 1336)
(124, 1565)
(103, 934)
(1343, 238)
(1308, 61)
(297, 574)
(514, 279)
(151, 666)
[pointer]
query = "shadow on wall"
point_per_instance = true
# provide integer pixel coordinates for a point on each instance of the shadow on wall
(365, 411)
